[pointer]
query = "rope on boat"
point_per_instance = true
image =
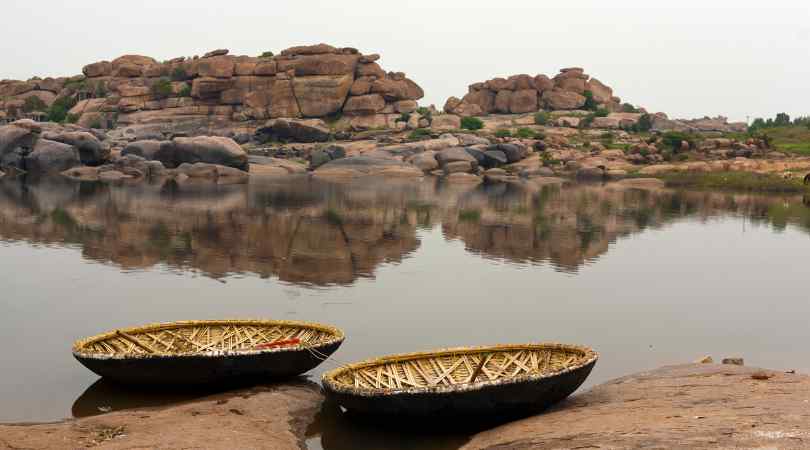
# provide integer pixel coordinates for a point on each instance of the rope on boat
(317, 354)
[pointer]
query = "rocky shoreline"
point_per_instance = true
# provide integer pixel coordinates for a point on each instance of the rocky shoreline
(457, 156)
(336, 113)
(686, 406)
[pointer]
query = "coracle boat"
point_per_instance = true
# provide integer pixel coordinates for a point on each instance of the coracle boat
(202, 352)
(462, 381)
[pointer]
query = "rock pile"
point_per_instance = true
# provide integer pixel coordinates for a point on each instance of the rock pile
(569, 90)
(48, 148)
(313, 81)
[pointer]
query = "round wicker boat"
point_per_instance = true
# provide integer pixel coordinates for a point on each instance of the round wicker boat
(462, 381)
(202, 352)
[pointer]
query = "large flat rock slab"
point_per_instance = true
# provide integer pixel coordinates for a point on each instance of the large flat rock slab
(676, 407)
(259, 418)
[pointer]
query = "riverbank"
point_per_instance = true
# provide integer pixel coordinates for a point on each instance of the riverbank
(686, 406)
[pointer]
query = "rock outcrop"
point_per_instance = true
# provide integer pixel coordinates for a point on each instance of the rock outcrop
(260, 418)
(569, 90)
(698, 406)
(217, 89)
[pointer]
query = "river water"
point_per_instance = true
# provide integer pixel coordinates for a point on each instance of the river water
(646, 277)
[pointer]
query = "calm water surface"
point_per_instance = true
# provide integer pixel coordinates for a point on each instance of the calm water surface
(645, 277)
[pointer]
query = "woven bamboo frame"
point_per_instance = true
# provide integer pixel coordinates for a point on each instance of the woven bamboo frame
(212, 338)
(457, 369)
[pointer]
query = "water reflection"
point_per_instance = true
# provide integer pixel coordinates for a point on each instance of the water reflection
(316, 233)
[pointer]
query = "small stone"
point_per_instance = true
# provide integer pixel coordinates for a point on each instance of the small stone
(761, 376)
(734, 361)
(705, 360)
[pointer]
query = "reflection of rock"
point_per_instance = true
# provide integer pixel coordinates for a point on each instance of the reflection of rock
(314, 232)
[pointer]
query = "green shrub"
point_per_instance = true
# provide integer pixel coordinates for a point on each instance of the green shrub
(96, 124)
(425, 113)
(673, 139)
(71, 118)
(185, 91)
(100, 90)
(645, 123)
(502, 133)
(525, 133)
(419, 133)
(179, 74)
(404, 117)
(266, 55)
(601, 112)
(541, 118)
(161, 89)
(590, 102)
(34, 103)
(469, 215)
(471, 123)
(629, 108)
(58, 111)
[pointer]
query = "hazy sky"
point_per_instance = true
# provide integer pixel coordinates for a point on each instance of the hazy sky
(694, 58)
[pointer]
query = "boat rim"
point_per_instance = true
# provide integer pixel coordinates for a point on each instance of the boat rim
(79, 352)
(329, 378)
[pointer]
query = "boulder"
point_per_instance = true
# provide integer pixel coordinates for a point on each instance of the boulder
(513, 152)
(406, 106)
(503, 100)
(151, 150)
(484, 99)
(218, 52)
(454, 154)
(209, 88)
(543, 83)
(265, 67)
(208, 149)
(50, 157)
(370, 70)
(317, 49)
(425, 161)
(98, 69)
(127, 70)
(364, 104)
(558, 99)
(15, 142)
(523, 101)
(91, 150)
(216, 67)
(522, 82)
(601, 92)
(361, 166)
(457, 167)
(320, 96)
(570, 85)
(393, 90)
(296, 130)
(326, 64)
(495, 158)
(284, 103)
(445, 122)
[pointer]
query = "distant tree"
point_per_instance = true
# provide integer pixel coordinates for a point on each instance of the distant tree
(782, 119)
(590, 102)
(34, 103)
